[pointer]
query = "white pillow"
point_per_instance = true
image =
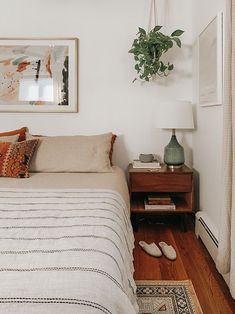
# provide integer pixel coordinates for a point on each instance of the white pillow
(10, 138)
(72, 154)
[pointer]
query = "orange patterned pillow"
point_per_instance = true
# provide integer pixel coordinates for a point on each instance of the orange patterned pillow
(15, 158)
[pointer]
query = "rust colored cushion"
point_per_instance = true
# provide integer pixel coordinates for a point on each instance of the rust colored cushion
(11, 138)
(21, 132)
(15, 158)
(114, 136)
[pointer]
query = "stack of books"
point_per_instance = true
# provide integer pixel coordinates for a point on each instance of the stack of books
(146, 165)
(159, 201)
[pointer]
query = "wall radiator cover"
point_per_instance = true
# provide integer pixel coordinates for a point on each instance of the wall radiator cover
(207, 232)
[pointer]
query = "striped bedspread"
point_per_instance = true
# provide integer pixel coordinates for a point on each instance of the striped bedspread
(65, 251)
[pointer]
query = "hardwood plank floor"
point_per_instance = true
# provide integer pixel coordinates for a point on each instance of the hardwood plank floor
(193, 262)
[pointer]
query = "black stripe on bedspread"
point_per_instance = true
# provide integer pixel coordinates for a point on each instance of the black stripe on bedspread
(64, 191)
(67, 226)
(66, 237)
(62, 251)
(62, 217)
(57, 301)
(71, 268)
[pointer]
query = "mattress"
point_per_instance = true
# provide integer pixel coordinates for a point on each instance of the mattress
(66, 244)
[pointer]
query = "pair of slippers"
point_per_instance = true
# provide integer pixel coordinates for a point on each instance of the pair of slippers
(153, 249)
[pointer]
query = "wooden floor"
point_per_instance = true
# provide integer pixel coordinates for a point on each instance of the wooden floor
(193, 262)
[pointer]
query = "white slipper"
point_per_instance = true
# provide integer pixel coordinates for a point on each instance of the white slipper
(168, 250)
(151, 249)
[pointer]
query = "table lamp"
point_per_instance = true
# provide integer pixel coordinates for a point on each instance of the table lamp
(174, 115)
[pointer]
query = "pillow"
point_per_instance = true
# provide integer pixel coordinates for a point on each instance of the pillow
(12, 138)
(21, 132)
(72, 154)
(114, 136)
(15, 158)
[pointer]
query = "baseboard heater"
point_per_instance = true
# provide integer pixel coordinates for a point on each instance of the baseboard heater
(207, 232)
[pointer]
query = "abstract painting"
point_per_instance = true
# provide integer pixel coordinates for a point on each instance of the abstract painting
(38, 75)
(210, 63)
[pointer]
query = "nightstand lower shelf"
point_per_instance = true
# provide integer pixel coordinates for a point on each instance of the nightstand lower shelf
(138, 211)
(182, 202)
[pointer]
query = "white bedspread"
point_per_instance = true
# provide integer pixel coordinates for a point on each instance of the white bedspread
(65, 251)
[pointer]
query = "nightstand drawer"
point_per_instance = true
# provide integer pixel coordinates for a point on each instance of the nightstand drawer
(161, 182)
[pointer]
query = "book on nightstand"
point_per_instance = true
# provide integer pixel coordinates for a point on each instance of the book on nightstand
(156, 207)
(159, 199)
(146, 165)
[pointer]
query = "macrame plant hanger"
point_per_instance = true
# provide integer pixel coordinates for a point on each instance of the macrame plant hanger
(152, 15)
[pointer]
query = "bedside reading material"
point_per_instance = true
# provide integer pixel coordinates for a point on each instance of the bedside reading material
(147, 206)
(159, 201)
(146, 165)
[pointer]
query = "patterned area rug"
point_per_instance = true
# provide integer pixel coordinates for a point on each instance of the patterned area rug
(167, 297)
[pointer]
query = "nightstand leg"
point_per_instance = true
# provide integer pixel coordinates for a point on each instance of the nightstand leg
(185, 222)
(134, 221)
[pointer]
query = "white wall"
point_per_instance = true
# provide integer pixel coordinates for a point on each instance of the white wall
(108, 100)
(207, 139)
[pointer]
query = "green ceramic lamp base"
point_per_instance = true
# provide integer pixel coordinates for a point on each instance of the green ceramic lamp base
(174, 153)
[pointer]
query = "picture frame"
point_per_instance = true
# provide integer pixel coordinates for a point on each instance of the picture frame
(39, 75)
(210, 63)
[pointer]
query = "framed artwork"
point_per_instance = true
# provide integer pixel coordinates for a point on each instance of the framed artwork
(210, 53)
(39, 75)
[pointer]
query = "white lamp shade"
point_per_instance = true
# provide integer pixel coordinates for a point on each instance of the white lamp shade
(174, 115)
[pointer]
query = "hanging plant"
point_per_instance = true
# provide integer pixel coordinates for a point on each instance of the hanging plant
(148, 49)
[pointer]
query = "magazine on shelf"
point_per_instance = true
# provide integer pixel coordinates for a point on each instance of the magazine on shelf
(159, 207)
(146, 165)
(159, 199)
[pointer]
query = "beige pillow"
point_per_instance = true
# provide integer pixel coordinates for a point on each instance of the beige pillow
(72, 154)
(9, 139)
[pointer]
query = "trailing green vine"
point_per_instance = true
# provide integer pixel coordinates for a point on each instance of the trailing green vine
(148, 49)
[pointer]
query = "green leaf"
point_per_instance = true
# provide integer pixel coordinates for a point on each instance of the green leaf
(157, 28)
(178, 41)
(177, 33)
(163, 67)
(137, 67)
(171, 67)
(142, 62)
(170, 44)
(142, 31)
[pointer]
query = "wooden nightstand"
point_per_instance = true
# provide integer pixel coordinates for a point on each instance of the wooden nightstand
(178, 183)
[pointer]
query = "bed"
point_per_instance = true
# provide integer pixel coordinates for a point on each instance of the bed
(66, 244)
